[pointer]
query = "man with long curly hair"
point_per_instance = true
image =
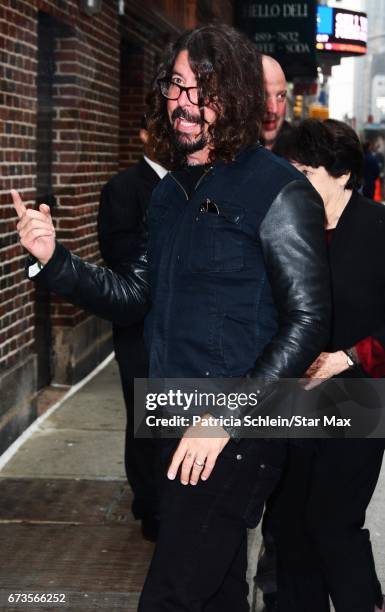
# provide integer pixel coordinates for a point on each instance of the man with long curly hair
(236, 271)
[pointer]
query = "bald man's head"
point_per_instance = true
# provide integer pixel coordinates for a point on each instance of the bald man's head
(275, 90)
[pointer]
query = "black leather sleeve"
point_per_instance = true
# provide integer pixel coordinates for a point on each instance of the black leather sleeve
(294, 247)
(121, 296)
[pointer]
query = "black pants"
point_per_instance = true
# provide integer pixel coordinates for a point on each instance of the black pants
(318, 514)
(200, 559)
(140, 455)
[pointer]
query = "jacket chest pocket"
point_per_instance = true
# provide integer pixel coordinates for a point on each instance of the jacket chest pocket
(216, 241)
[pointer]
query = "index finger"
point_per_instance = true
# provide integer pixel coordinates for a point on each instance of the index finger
(18, 203)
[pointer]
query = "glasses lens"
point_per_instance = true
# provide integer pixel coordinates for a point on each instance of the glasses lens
(169, 90)
(193, 95)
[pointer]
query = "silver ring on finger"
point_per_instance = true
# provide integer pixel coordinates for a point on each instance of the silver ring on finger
(199, 464)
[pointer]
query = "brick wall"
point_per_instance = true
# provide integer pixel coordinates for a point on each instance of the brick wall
(140, 51)
(61, 140)
(132, 102)
(17, 155)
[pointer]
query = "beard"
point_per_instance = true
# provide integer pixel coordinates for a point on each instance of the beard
(188, 143)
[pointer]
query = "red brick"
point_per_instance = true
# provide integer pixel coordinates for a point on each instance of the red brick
(98, 102)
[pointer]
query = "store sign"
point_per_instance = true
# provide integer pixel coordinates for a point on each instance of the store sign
(341, 31)
(285, 30)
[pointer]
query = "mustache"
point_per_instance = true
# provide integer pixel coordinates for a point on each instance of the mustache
(270, 117)
(182, 113)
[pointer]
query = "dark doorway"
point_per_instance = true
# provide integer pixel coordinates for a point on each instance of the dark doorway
(44, 188)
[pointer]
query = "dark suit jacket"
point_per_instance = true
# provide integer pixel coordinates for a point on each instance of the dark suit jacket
(123, 208)
(357, 259)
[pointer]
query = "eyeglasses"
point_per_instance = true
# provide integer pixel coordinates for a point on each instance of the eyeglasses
(172, 91)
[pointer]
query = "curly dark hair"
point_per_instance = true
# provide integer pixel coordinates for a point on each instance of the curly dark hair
(229, 75)
(332, 144)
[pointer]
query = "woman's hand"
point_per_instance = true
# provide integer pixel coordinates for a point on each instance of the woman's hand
(197, 455)
(326, 366)
(36, 230)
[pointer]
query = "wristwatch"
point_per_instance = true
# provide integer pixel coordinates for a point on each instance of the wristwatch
(34, 269)
(351, 357)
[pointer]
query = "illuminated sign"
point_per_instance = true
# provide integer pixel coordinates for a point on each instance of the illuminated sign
(341, 31)
(324, 20)
(286, 30)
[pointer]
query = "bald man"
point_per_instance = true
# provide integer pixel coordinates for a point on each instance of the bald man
(276, 93)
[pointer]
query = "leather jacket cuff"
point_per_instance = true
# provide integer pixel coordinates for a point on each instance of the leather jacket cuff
(263, 388)
(52, 266)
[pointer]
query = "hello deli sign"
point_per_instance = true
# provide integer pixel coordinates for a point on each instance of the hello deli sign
(284, 30)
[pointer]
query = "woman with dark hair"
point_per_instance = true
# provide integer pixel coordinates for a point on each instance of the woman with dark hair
(319, 507)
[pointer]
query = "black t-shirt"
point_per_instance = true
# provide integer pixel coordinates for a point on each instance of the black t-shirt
(189, 176)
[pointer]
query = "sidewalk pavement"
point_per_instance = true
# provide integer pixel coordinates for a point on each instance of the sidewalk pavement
(65, 521)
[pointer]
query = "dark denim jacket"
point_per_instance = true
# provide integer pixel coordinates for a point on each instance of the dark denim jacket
(213, 309)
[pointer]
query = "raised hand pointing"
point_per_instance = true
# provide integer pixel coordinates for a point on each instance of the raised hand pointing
(35, 227)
